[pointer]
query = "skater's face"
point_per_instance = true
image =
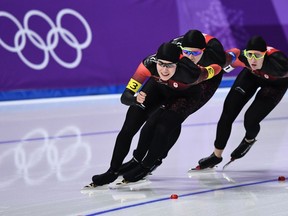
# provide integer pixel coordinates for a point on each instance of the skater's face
(255, 58)
(194, 54)
(166, 69)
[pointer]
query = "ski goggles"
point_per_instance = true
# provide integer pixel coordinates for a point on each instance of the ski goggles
(257, 56)
(189, 52)
(167, 65)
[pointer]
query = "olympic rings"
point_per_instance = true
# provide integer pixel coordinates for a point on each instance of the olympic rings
(51, 41)
(35, 162)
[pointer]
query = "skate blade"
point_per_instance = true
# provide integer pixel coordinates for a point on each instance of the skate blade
(194, 171)
(91, 186)
(227, 164)
(198, 169)
(131, 185)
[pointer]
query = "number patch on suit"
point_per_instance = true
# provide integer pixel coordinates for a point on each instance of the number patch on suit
(210, 72)
(133, 85)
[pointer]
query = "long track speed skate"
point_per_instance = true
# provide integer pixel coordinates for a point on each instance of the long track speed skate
(240, 151)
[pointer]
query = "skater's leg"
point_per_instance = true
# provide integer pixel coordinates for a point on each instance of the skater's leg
(267, 98)
(162, 141)
(265, 101)
(240, 93)
(146, 135)
(170, 143)
(231, 109)
(135, 118)
(168, 122)
(143, 143)
(233, 104)
(172, 139)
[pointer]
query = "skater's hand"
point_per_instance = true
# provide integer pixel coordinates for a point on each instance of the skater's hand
(140, 98)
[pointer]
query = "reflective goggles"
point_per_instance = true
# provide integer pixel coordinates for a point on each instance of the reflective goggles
(257, 56)
(189, 52)
(167, 65)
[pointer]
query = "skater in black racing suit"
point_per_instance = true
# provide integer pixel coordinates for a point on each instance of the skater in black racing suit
(168, 76)
(266, 70)
(162, 130)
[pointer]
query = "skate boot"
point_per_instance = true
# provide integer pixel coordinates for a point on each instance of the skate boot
(209, 162)
(156, 164)
(105, 178)
(242, 149)
(136, 174)
(126, 167)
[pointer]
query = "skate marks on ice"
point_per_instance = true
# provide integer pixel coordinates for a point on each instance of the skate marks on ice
(236, 178)
(210, 177)
(218, 177)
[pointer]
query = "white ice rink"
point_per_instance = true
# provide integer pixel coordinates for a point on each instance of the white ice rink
(50, 149)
